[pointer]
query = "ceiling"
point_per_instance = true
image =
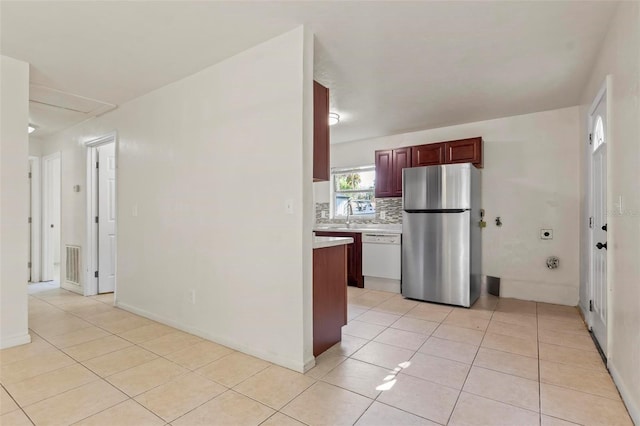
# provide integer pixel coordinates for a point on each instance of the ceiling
(392, 66)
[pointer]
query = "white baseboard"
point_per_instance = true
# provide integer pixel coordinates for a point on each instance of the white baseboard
(73, 288)
(633, 406)
(560, 294)
(294, 365)
(310, 364)
(15, 340)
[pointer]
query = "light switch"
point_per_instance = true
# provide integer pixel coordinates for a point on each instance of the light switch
(134, 210)
(288, 206)
(618, 205)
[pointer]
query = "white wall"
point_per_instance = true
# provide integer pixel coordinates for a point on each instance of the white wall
(530, 179)
(14, 119)
(620, 58)
(208, 162)
(34, 147)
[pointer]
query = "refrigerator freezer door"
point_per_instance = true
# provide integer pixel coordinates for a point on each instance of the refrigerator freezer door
(437, 187)
(436, 257)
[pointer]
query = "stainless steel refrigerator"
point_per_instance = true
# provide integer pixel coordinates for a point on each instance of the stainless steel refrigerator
(441, 234)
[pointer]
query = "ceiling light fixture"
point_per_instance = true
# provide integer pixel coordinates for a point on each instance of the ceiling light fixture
(31, 128)
(334, 118)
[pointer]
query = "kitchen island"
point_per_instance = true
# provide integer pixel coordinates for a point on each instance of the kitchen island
(329, 291)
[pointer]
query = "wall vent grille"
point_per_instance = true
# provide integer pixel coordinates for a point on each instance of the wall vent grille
(73, 265)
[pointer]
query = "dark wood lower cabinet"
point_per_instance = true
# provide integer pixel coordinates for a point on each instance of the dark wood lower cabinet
(354, 256)
(329, 296)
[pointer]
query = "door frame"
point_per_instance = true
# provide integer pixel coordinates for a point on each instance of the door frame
(36, 218)
(91, 251)
(47, 261)
(604, 92)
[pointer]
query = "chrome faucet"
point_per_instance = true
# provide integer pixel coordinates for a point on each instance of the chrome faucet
(349, 211)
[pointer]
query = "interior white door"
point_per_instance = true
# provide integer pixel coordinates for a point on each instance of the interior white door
(598, 306)
(51, 217)
(30, 263)
(106, 218)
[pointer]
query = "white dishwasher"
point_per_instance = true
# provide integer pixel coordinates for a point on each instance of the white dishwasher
(381, 256)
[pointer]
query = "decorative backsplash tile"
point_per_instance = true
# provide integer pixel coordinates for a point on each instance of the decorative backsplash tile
(392, 207)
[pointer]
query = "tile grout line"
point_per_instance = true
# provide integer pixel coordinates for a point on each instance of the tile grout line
(316, 380)
(132, 345)
(539, 368)
(440, 323)
(395, 373)
(17, 405)
(470, 367)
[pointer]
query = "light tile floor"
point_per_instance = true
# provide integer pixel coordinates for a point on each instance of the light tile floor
(401, 362)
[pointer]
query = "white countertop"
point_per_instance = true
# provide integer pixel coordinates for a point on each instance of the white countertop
(359, 228)
(323, 242)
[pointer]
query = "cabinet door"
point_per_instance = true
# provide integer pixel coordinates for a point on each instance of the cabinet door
(401, 160)
(355, 261)
(384, 174)
(320, 132)
(427, 155)
(464, 151)
(354, 256)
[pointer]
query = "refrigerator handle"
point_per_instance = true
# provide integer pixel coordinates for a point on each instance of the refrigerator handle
(438, 211)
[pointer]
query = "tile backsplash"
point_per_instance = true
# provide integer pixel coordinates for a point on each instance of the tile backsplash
(392, 207)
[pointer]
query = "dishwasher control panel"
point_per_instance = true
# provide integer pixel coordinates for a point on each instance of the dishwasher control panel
(381, 238)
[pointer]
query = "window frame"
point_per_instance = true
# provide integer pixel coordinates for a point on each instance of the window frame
(333, 184)
(594, 133)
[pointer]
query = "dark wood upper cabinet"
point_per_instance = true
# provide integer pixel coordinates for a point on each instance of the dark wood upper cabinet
(384, 173)
(320, 132)
(401, 160)
(464, 151)
(427, 155)
(389, 163)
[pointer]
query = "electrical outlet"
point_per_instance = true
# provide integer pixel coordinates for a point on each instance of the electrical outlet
(323, 214)
(546, 234)
(383, 215)
(192, 296)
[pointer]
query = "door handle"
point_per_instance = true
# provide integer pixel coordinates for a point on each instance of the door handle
(604, 227)
(600, 246)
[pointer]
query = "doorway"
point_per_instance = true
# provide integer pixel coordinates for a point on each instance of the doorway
(34, 220)
(51, 218)
(102, 223)
(598, 221)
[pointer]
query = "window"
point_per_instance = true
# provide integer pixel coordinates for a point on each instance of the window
(353, 191)
(598, 133)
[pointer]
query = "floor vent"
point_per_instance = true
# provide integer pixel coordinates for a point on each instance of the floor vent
(73, 265)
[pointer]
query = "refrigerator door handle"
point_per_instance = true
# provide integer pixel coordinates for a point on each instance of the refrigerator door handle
(436, 210)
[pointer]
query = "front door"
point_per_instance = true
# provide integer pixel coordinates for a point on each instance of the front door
(598, 132)
(106, 218)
